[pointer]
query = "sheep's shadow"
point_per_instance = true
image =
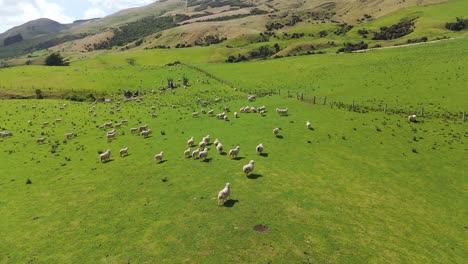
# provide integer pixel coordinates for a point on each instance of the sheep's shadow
(223, 153)
(162, 161)
(147, 137)
(265, 155)
(238, 158)
(207, 160)
(311, 128)
(230, 203)
(126, 155)
(107, 161)
(254, 176)
(279, 136)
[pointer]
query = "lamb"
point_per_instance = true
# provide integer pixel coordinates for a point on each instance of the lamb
(234, 152)
(187, 153)
(276, 132)
(282, 111)
(412, 118)
(224, 194)
(308, 125)
(195, 153)
(203, 154)
(105, 156)
(190, 142)
(123, 152)
(159, 157)
(219, 147)
(69, 135)
(145, 133)
(248, 168)
(259, 149)
(40, 140)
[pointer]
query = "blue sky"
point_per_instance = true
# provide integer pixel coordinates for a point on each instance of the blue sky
(17, 12)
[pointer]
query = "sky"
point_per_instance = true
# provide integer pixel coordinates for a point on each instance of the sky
(16, 12)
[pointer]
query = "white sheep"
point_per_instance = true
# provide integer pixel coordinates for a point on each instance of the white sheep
(195, 114)
(69, 135)
(145, 133)
(202, 144)
(159, 157)
(40, 140)
(123, 152)
(259, 149)
(207, 139)
(234, 152)
(308, 125)
(6, 134)
(105, 156)
(110, 136)
(226, 118)
(412, 118)
(187, 153)
(211, 112)
(58, 120)
(29, 122)
(45, 123)
(133, 130)
(248, 168)
(282, 111)
(276, 132)
(224, 194)
(220, 147)
(236, 115)
(195, 153)
(216, 142)
(227, 109)
(190, 142)
(143, 128)
(203, 154)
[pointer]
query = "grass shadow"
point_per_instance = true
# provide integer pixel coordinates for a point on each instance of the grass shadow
(254, 176)
(230, 203)
(265, 155)
(238, 158)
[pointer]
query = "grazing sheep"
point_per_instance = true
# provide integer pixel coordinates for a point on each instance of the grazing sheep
(159, 157)
(261, 108)
(195, 114)
(234, 152)
(69, 135)
(187, 153)
(236, 115)
(227, 109)
(253, 109)
(226, 118)
(145, 133)
(203, 154)
(6, 134)
(211, 112)
(110, 136)
(308, 125)
(105, 156)
(203, 111)
(219, 147)
(207, 139)
(259, 149)
(216, 142)
(262, 112)
(111, 132)
(118, 125)
(251, 98)
(412, 118)
(143, 128)
(282, 111)
(153, 115)
(58, 120)
(123, 152)
(202, 144)
(29, 122)
(224, 194)
(133, 130)
(276, 132)
(45, 123)
(40, 140)
(190, 142)
(195, 153)
(248, 168)
(124, 121)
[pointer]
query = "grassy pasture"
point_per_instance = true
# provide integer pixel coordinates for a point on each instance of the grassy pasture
(358, 188)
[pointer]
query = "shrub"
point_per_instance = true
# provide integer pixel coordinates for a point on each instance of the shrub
(458, 25)
(55, 59)
(395, 31)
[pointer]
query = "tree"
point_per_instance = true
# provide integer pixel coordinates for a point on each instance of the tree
(55, 59)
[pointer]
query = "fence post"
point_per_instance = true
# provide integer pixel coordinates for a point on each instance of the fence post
(325, 101)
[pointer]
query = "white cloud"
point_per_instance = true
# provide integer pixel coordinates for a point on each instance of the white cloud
(119, 4)
(94, 13)
(17, 12)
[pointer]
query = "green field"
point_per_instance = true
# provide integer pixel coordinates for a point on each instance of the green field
(362, 186)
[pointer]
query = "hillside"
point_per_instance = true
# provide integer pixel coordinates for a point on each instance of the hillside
(203, 22)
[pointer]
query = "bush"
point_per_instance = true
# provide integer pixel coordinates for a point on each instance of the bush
(395, 31)
(55, 59)
(459, 25)
(349, 47)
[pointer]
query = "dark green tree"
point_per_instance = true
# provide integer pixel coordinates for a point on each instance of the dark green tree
(55, 59)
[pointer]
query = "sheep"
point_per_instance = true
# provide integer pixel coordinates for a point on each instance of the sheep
(190, 142)
(259, 149)
(261, 108)
(111, 132)
(30, 122)
(203, 111)
(211, 112)
(236, 115)
(202, 144)
(105, 156)
(248, 168)
(153, 115)
(251, 98)
(308, 125)
(45, 123)
(282, 111)
(187, 153)
(143, 128)
(253, 109)
(207, 139)
(203, 154)
(124, 121)
(195, 114)
(412, 118)
(276, 132)
(224, 194)
(216, 142)
(6, 134)
(227, 109)
(58, 120)
(123, 152)
(159, 157)
(110, 136)
(234, 152)
(133, 130)
(219, 147)
(40, 140)
(145, 133)
(195, 153)
(118, 125)
(262, 112)
(69, 135)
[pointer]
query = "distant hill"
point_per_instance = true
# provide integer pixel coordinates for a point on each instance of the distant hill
(181, 23)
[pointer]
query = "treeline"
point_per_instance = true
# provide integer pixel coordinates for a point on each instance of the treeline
(253, 12)
(13, 39)
(204, 4)
(395, 31)
(56, 41)
(260, 53)
(136, 30)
